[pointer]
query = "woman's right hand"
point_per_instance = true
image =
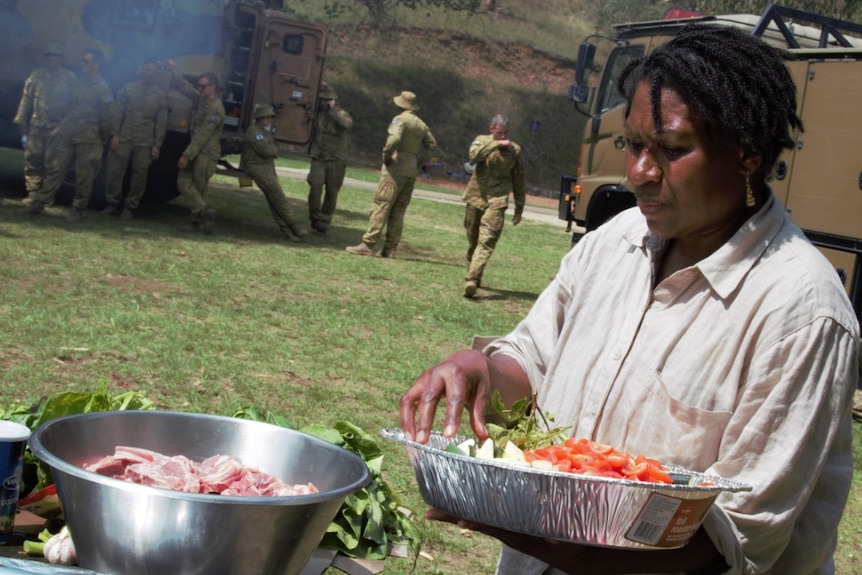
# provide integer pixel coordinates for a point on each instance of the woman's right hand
(464, 381)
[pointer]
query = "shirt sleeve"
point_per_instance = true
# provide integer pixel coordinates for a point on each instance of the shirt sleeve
(210, 128)
(790, 438)
(25, 106)
(393, 138)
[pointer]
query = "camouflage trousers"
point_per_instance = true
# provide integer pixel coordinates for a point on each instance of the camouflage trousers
(39, 138)
(328, 176)
(391, 199)
(118, 162)
(483, 228)
(59, 157)
(266, 179)
(193, 183)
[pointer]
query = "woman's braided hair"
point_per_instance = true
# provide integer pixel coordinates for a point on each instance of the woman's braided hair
(736, 84)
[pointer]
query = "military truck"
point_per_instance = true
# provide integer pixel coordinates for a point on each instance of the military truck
(819, 182)
(259, 54)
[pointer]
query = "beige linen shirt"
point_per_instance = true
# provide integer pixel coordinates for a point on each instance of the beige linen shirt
(743, 365)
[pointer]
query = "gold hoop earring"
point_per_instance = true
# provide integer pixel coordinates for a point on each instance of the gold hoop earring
(749, 193)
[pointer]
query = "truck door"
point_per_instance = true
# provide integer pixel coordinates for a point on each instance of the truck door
(289, 71)
(823, 187)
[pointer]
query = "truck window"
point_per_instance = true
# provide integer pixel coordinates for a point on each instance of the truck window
(292, 44)
(609, 97)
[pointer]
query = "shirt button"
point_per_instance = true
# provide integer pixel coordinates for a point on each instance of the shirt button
(617, 355)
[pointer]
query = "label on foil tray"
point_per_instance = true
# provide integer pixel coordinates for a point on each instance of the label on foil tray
(666, 521)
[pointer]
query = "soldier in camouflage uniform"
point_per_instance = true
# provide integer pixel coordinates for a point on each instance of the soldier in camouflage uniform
(407, 136)
(499, 168)
(198, 161)
(89, 122)
(328, 153)
(143, 113)
(43, 103)
(258, 154)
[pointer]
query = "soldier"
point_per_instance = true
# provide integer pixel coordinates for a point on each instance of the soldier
(143, 113)
(198, 161)
(257, 160)
(88, 124)
(407, 136)
(43, 103)
(328, 152)
(499, 168)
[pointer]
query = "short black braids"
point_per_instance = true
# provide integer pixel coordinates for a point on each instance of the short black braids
(736, 84)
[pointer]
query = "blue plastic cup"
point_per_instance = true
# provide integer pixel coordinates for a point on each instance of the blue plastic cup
(13, 438)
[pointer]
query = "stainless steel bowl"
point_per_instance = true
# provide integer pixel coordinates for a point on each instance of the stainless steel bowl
(565, 506)
(122, 528)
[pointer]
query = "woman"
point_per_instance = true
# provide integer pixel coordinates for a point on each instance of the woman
(700, 328)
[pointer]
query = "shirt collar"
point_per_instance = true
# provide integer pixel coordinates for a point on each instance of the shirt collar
(728, 265)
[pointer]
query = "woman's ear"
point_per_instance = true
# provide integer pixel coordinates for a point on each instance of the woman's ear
(749, 160)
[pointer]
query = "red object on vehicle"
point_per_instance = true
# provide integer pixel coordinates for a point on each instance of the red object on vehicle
(676, 13)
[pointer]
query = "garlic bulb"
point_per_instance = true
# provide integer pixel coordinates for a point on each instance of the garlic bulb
(59, 549)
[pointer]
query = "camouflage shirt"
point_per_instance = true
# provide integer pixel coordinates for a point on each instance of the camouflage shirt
(46, 97)
(206, 123)
(143, 114)
(499, 170)
(408, 135)
(258, 147)
(92, 116)
(330, 137)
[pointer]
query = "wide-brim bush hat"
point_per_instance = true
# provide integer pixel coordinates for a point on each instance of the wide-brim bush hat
(406, 100)
(264, 112)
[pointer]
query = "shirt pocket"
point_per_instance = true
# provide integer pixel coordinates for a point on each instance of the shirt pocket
(660, 426)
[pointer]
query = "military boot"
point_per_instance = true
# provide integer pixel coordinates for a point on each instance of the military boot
(36, 208)
(289, 235)
(74, 216)
(470, 287)
(207, 225)
(298, 230)
(111, 210)
(361, 249)
(387, 253)
(320, 227)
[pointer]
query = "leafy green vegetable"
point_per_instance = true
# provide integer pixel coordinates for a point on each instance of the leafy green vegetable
(62, 404)
(372, 519)
(259, 414)
(524, 424)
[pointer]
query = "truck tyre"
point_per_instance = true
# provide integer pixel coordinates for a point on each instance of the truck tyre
(606, 203)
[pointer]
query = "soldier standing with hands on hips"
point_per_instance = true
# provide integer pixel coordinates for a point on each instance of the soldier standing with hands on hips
(407, 137)
(198, 162)
(328, 151)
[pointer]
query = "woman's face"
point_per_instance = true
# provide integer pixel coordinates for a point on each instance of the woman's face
(687, 188)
